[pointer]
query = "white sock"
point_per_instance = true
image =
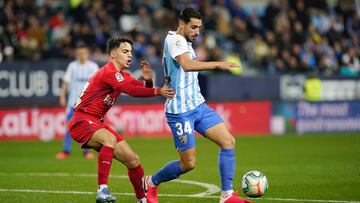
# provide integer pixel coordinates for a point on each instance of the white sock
(142, 200)
(150, 182)
(226, 193)
(101, 187)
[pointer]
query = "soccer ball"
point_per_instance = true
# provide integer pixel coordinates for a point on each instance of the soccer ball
(254, 184)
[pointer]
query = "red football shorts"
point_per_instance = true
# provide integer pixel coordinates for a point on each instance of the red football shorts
(82, 127)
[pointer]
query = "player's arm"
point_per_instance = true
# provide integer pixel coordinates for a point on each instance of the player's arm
(138, 83)
(138, 91)
(178, 50)
(190, 65)
(63, 91)
(147, 83)
(126, 86)
(65, 85)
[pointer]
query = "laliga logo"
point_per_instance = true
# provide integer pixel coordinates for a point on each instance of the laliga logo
(32, 123)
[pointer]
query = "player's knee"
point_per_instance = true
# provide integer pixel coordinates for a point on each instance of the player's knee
(229, 142)
(133, 162)
(188, 165)
(128, 158)
(110, 141)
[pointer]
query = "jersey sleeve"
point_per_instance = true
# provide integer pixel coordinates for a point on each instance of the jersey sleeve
(138, 91)
(148, 83)
(67, 76)
(138, 83)
(177, 45)
(125, 83)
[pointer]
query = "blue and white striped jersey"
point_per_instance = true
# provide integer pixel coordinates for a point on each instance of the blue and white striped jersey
(186, 84)
(76, 76)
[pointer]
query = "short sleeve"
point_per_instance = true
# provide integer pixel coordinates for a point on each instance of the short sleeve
(177, 45)
(67, 76)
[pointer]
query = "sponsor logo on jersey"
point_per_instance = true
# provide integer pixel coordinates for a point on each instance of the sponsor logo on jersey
(119, 77)
(108, 100)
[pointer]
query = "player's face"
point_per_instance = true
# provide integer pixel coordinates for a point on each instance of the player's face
(82, 54)
(123, 55)
(192, 29)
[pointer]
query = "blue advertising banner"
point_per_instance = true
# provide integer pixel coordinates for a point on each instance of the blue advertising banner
(285, 114)
(25, 83)
(327, 117)
(30, 83)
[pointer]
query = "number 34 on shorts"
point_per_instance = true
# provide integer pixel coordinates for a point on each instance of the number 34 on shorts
(183, 130)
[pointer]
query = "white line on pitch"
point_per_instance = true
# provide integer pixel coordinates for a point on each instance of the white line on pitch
(170, 195)
(211, 189)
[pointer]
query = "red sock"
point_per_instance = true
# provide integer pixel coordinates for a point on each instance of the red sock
(104, 164)
(135, 175)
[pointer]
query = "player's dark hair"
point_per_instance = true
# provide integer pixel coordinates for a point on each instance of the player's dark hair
(81, 44)
(115, 41)
(188, 13)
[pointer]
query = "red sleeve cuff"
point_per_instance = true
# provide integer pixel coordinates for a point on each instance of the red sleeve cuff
(157, 91)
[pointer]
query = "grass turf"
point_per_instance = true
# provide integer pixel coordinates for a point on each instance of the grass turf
(319, 167)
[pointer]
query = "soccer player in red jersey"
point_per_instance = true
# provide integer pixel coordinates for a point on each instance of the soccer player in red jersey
(87, 124)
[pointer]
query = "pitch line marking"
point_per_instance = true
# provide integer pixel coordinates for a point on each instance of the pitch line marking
(171, 195)
(210, 188)
(207, 194)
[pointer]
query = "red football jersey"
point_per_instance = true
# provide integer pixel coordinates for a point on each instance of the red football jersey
(105, 86)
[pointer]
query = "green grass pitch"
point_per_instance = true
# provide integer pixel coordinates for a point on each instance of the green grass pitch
(319, 168)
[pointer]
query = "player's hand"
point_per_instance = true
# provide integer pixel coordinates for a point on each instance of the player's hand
(146, 71)
(227, 65)
(62, 102)
(167, 92)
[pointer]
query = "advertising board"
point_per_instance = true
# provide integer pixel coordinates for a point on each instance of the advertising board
(242, 118)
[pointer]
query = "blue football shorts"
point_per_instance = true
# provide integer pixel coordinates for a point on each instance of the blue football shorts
(183, 125)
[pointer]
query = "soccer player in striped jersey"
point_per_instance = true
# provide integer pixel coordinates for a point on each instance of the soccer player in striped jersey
(87, 126)
(187, 112)
(77, 74)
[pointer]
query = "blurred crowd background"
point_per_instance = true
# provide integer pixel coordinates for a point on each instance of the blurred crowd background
(280, 36)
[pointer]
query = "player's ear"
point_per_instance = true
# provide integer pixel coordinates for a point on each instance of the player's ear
(181, 23)
(112, 53)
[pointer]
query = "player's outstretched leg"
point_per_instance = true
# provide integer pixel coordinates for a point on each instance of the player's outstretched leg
(227, 170)
(104, 196)
(170, 171)
(222, 137)
(131, 160)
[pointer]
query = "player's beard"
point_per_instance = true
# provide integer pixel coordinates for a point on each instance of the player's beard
(188, 38)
